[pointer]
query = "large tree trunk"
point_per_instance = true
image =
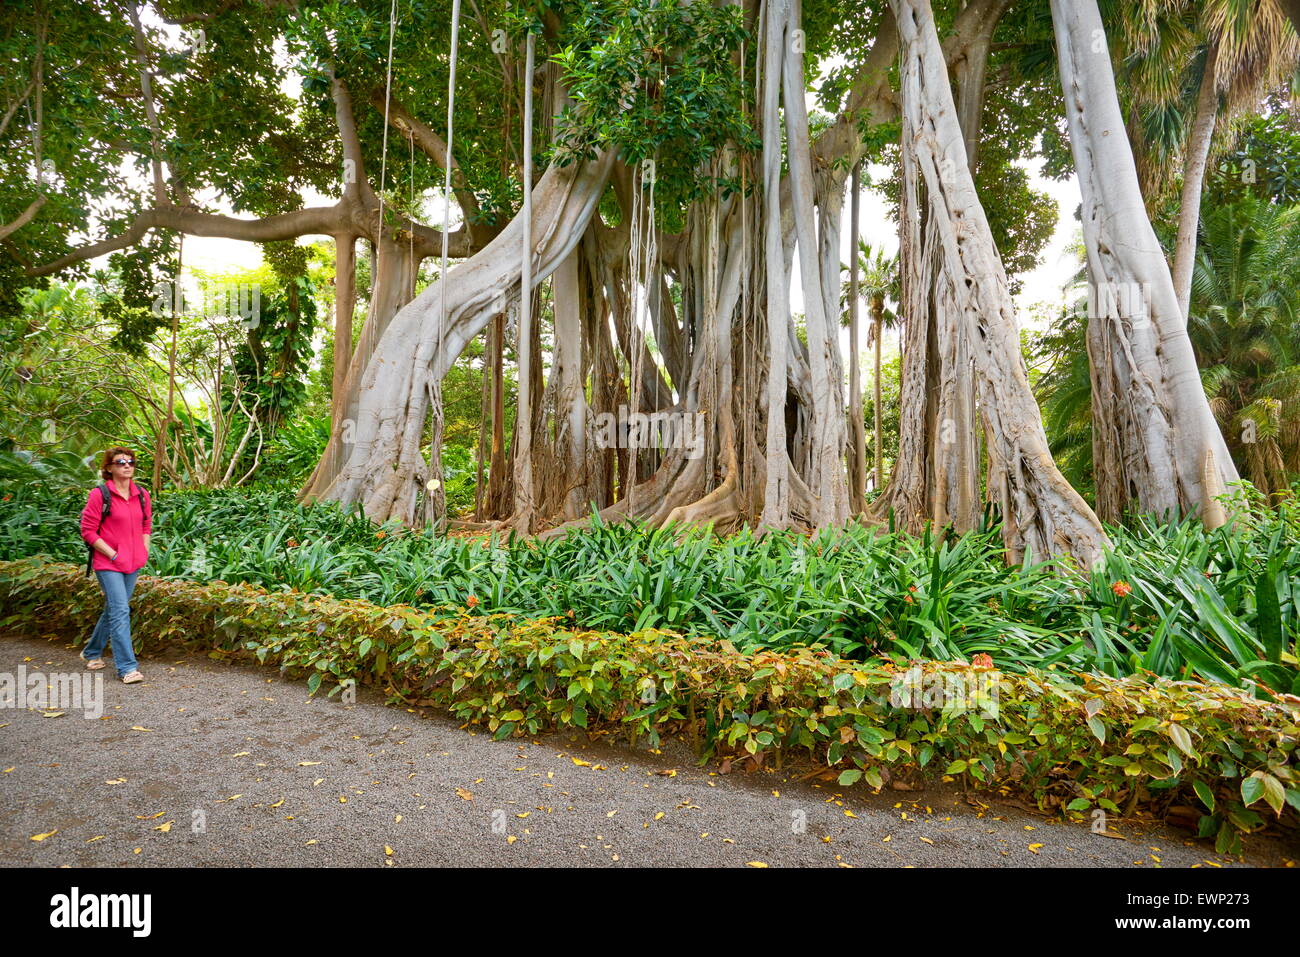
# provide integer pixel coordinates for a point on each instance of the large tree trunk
(938, 480)
(877, 323)
(776, 496)
(570, 400)
(1156, 443)
(857, 424)
(345, 293)
(1042, 514)
(392, 284)
(384, 468)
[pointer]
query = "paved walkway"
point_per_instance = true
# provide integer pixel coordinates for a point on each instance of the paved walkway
(209, 763)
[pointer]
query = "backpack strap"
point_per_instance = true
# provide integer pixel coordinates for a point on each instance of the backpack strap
(106, 505)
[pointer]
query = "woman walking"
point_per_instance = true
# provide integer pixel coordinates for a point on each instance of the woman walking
(120, 544)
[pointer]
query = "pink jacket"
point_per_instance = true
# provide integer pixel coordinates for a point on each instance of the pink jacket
(123, 531)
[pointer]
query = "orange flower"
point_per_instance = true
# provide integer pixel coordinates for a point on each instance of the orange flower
(471, 601)
(381, 534)
(291, 543)
(908, 599)
(1121, 589)
(982, 660)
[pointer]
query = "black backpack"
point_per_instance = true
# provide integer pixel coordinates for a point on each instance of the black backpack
(107, 498)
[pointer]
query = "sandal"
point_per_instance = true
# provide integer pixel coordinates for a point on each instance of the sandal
(132, 678)
(94, 664)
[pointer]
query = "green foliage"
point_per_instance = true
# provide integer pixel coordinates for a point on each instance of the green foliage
(273, 360)
(1072, 745)
(57, 391)
(293, 452)
(654, 82)
(1191, 607)
(56, 472)
(1265, 162)
(458, 479)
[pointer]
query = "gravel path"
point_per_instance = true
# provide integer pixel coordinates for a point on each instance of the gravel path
(209, 763)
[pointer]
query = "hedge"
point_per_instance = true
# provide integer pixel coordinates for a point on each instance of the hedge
(1074, 743)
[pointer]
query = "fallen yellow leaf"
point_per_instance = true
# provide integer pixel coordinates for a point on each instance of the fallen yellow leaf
(97, 837)
(54, 714)
(581, 763)
(342, 799)
(41, 837)
(308, 764)
(659, 815)
(278, 803)
(1035, 847)
(165, 827)
(755, 864)
(510, 838)
(466, 795)
(398, 819)
(927, 840)
(241, 754)
(310, 843)
(848, 813)
(136, 727)
(116, 781)
(388, 851)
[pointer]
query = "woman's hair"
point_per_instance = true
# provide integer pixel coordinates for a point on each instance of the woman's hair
(106, 466)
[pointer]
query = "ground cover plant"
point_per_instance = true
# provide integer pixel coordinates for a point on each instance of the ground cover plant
(1173, 600)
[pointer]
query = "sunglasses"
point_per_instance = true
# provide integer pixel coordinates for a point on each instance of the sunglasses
(130, 462)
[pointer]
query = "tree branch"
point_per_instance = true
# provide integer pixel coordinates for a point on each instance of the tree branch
(435, 148)
(146, 87)
(325, 220)
(24, 219)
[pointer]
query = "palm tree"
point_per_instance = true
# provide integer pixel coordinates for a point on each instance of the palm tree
(1245, 327)
(878, 286)
(1233, 51)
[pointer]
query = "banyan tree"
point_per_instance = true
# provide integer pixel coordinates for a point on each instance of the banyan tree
(630, 187)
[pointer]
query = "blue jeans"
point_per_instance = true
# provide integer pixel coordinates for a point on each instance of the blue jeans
(115, 622)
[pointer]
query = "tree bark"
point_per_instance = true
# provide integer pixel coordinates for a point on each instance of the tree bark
(1045, 516)
(1156, 443)
(857, 424)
